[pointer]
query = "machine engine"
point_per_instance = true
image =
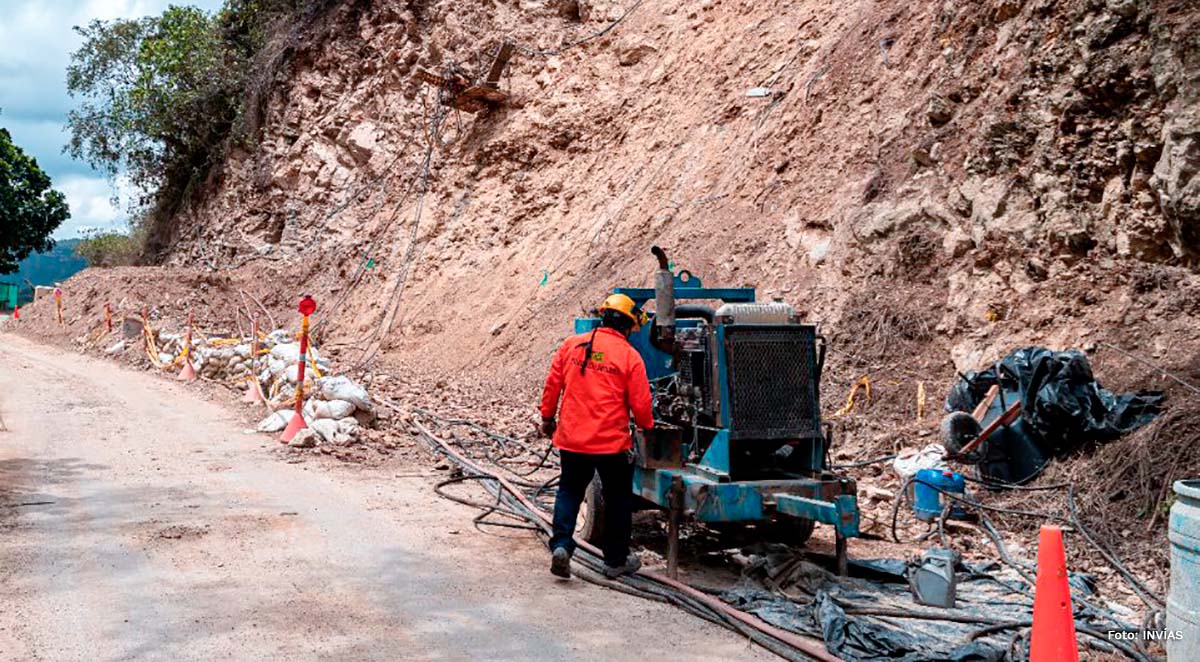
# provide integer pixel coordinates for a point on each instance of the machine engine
(754, 369)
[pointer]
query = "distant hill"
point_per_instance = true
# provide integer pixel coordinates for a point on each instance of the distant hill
(55, 265)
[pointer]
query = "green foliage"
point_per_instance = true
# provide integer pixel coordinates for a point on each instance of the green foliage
(161, 96)
(29, 209)
(157, 95)
(109, 249)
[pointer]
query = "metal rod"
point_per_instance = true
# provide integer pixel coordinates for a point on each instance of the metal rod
(843, 561)
(1148, 364)
(676, 506)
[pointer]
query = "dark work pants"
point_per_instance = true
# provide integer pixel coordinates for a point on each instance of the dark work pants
(616, 481)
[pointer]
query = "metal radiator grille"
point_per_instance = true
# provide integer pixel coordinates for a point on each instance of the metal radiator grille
(772, 381)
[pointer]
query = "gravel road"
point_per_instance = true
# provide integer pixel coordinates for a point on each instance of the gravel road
(139, 521)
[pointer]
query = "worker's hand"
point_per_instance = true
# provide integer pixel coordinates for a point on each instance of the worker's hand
(548, 426)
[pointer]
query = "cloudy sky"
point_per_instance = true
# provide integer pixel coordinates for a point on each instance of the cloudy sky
(37, 43)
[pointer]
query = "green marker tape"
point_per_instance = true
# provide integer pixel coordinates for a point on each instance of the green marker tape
(370, 263)
(545, 277)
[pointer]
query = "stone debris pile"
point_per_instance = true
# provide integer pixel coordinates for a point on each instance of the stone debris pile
(335, 408)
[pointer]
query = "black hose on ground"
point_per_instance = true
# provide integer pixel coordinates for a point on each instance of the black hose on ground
(865, 463)
(632, 583)
(1139, 587)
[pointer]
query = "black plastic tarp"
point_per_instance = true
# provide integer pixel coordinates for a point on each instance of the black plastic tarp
(1063, 407)
(871, 616)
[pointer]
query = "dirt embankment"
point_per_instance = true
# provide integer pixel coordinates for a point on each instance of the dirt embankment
(995, 172)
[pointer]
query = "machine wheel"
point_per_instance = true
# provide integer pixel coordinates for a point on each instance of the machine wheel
(590, 523)
(789, 530)
(958, 429)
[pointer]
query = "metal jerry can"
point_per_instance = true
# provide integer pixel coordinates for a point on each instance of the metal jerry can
(932, 581)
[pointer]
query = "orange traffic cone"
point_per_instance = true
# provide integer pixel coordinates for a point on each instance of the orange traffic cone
(295, 425)
(188, 374)
(16, 312)
(1053, 637)
(254, 394)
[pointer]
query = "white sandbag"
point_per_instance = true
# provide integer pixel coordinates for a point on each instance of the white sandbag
(287, 352)
(341, 388)
(293, 374)
(348, 425)
(325, 428)
(911, 461)
(334, 409)
(290, 353)
(276, 422)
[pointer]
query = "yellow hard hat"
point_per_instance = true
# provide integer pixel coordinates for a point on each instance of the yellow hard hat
(621, 303)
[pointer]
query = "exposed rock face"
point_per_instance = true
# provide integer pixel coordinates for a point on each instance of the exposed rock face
(1177, 181)
(942, 146)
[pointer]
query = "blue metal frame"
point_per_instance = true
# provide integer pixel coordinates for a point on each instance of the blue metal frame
(841, 513)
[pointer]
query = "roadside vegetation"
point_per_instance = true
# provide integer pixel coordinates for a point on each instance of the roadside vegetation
(162, 99)
(29, 209)
(110, 249)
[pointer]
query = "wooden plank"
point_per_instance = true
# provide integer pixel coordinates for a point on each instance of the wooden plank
(503, 54)
(981, 409)
(1006, 418)
(429, 77)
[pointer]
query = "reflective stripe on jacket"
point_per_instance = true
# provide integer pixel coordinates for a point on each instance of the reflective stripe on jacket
(594, 416)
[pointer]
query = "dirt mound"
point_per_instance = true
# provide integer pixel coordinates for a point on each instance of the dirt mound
(221, 302)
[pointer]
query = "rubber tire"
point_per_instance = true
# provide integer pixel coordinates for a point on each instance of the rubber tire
(789, 530)
(958, 429)
(590, 523)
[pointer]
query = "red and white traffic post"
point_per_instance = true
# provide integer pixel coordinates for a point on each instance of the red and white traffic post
(307, 307)
(58, 304)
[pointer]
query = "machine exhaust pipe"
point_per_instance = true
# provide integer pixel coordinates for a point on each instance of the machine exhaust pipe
(664, 302)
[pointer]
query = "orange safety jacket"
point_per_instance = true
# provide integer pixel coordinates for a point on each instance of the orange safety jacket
(594, 417)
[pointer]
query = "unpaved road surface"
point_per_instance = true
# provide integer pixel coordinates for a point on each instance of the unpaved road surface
(155, 527)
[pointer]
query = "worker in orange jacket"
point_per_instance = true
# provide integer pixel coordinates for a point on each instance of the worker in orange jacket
(600, 378)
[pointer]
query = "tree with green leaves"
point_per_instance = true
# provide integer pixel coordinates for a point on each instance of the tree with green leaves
(158, 97)
(162, 96)
(29, 209)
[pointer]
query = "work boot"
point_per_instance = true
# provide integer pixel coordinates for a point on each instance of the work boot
(560, 563)
(631, 565)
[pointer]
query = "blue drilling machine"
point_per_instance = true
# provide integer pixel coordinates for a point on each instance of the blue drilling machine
(737, 435)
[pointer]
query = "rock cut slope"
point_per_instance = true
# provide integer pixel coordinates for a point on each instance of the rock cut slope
(976, 157)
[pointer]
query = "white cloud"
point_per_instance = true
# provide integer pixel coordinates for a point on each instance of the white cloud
(38, 39)
(90, 199)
